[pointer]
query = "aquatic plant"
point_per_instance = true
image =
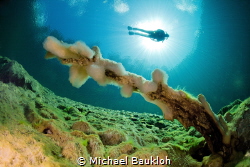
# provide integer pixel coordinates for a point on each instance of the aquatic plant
(175, 104)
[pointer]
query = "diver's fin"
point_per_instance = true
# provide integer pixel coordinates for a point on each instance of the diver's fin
(131, 33)
(130, 28)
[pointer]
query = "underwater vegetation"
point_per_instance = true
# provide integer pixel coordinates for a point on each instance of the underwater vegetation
(175, 104)
(38, 128)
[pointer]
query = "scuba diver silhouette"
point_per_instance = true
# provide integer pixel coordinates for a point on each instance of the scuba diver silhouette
(157, 35)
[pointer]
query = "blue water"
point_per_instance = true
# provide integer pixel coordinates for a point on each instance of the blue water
(207, 51)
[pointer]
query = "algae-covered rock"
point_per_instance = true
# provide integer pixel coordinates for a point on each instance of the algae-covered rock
(84, 127)
(123, 148)
(238, 117)
(13, 72)
(95, 146)
(112, 137)
(214, 160)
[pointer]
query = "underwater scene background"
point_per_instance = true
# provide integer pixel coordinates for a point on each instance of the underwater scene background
(207, 51)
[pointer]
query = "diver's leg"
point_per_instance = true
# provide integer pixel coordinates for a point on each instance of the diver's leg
(140, 34)
(146, 31)
(138, 29)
